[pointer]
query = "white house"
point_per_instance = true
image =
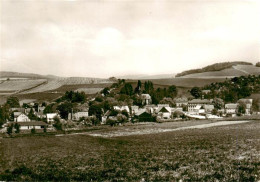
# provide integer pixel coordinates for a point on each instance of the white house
(164, 112)
(208, 108)
(51, 116)
(134, 109)
(22, 118)
(231, 108)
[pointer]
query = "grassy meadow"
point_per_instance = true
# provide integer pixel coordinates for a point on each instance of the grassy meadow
(224, 153)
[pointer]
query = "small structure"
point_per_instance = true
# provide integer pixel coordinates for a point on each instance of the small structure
(165, 112)
(146, 99)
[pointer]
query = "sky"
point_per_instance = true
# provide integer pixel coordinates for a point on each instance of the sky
(98, 38)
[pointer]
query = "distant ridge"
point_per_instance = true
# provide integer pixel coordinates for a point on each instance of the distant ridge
(213, 67)
(145, 77)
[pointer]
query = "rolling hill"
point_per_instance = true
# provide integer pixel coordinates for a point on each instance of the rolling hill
(233, 71)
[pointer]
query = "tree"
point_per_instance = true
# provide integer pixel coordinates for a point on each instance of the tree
(13, 102)
(127, 89)
(214, 111)
(218, 103)
(172, 91)
(196, 92)
(138, 87)
(257, 64)
(4, 114)
(17, 128)
(33, 131)
(65, 109)
(255, 105)
(49, 109)
(148, 87)
(95, 110)
(105, 91)
(241, 108)
(57, 124)
(31, 115)
(10, 129)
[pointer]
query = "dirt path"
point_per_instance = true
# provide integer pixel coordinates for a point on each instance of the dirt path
(131, 131)
(235, 67)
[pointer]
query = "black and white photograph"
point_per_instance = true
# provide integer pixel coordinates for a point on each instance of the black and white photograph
(130, 90)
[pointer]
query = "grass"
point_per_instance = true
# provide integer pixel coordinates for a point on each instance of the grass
(227, 153)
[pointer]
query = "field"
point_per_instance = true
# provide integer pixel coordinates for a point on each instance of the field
(229, 73)
(223, 153)
(19, 85)
(187, 82)
(250, 69)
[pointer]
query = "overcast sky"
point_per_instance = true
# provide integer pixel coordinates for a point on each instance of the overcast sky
(111, 38)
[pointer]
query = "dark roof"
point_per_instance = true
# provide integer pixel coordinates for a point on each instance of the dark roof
(30, 123)
(199, 101)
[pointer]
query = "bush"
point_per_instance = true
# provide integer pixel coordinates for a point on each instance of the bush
(111, 122)
(33, 131)
(17, 128)
(10, 129)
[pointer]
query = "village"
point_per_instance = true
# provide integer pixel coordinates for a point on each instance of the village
(84, 111)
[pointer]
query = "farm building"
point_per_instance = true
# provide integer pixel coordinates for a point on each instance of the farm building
(164, 112)
(30, 125)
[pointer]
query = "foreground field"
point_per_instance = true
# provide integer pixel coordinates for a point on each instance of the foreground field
(224, 153)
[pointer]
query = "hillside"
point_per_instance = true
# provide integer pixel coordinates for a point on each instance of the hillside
(214, 68)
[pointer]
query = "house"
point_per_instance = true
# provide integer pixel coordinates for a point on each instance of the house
(150, 108)
(195, 105)
(231, 108)
(51, 116)
(181, 102)
(208, 108)
(17, 109)
(164, 112)
(248, 105)
(134, 109)
(76, 116)
(40, 109)
(146, 99)
(144, 116)
(21, 118)
(121, 108)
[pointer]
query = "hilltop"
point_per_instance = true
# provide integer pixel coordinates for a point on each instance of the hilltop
(225, 69)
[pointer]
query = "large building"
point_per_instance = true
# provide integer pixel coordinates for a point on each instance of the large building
(196, 106)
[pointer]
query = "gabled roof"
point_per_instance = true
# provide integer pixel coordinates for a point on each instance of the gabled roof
(145, 96)
(207, 106)
(51, 115)
(16, 114)
(165, 109)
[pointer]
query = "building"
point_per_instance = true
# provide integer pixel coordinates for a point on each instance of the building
(134, 109)
(146, 99)
(21, 118)
(181, 102)
(195, 105)
(248, 105)
(231, 108)
(208, 108)
(144, 116)
(32, 124)
(76, 116)
(121, 108)
(51, 116)
(164, 112)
